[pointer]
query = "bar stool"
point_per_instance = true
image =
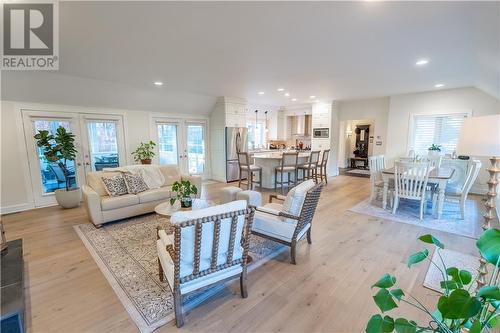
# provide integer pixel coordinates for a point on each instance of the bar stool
(245, 166)
(323, 165)
(287, 165)
(309, 169)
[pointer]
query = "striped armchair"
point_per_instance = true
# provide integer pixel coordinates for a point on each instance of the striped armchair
(208, 246)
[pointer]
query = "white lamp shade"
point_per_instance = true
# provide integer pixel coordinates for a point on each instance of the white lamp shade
(480, 136)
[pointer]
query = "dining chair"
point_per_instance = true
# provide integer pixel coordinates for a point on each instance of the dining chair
(310, 168)
(454, 193)
(407, 159)
(323, 166)
(411, 183)
(246, 167)
(434, 161)
(376, 164)
(288, 165)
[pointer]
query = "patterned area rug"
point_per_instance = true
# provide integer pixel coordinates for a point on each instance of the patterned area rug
(125, 252)
(408, 212)
(459, 260)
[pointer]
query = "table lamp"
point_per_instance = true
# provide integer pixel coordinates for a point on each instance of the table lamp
(480, 136)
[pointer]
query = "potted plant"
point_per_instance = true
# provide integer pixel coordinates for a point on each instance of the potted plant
(144, 153)
(59, 149)
(459, 309)
(434, 150)
(183, 191)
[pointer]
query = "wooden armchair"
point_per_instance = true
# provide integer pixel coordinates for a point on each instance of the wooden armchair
(289, 222)
(208, 246)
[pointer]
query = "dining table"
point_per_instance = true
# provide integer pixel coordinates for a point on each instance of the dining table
(439, 176)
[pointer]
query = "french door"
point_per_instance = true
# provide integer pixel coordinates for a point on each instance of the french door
(98, 141)
(182, 143)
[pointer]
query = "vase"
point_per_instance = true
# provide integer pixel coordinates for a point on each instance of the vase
(68, 198)
(434, 153)
(146, 161)
(186, 202)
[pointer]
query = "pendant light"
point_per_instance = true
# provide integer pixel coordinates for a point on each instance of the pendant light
(266, 122)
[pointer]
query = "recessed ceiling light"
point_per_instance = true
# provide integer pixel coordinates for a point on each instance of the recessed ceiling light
(438, 85)
(422, 62)
(294, 99)
(281, 89)
(158, 83)
(287, 94)
(261, 93)
(312, 97)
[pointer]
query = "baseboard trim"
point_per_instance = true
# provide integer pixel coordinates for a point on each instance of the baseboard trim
(16, 208)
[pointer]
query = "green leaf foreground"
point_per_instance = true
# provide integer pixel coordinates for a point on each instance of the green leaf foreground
(384, 300)
(418, 257)
(377, 324)
(489, 292)
(429, 239)
(402, 325)
(459, 305)
(489, 245)
(386, 281)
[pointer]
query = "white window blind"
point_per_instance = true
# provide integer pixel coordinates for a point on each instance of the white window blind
(442, 130)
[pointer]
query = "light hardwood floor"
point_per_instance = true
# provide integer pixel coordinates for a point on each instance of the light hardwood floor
(327, 291)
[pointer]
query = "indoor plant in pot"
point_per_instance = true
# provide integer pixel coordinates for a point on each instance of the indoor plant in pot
(434, 150)
(59, 149)
(461, 308)
(144, 153)
(183, 191)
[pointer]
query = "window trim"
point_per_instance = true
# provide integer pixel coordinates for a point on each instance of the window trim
(437, 113)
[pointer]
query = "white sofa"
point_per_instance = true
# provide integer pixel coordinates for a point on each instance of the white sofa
(102, 208)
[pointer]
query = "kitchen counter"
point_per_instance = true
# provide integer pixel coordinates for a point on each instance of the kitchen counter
(269, 161)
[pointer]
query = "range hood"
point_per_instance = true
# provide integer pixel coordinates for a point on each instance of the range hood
(301, 125)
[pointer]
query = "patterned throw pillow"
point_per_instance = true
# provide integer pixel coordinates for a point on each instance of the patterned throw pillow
(135, 183)
(115, 185)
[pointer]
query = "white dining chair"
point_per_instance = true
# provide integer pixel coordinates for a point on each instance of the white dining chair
(434, 161)
(411, 183)
(458, 194)
(376, 164)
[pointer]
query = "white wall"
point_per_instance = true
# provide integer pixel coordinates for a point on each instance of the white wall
(375, 110)
(16, 187)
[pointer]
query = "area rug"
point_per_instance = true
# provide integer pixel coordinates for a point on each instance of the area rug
(451, 258)
(358, 172)
(126, 253)
(408, 212)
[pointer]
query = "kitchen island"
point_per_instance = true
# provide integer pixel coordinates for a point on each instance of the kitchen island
(269, 161)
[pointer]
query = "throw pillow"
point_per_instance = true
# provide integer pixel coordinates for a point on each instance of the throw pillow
(295, 198)
(115, 185)
(135, 183)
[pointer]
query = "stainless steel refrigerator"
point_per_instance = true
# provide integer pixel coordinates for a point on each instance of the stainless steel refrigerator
(236, 140)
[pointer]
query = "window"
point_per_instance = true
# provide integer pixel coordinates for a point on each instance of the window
(442, 130)
(167, 143)
(256, 138)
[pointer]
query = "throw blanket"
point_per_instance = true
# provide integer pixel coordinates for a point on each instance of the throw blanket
(150, 173)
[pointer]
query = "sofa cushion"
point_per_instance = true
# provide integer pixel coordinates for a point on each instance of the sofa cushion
(162, 193)
(95, 182)
(115, 186)
(108, 203)
(275, 226)
(171, 173)
(135, 183)
(295, 198)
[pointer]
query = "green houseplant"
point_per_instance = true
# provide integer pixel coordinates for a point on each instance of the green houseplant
(459, 309)
(183, 191)
(434, 149)
(59, 149)
(144, 153)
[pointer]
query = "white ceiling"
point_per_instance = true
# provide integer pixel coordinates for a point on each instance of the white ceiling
(334, 50)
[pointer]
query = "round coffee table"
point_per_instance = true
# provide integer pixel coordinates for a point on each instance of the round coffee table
(166, 209)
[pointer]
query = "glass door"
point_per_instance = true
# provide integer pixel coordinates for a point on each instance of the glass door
(195, 148)
(48, 176)
(103, 145)
(168, 143)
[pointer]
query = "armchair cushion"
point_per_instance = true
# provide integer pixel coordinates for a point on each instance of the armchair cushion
(188, 236)
(275, 226)
(295, 197)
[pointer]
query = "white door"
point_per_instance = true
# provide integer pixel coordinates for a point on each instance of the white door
(103, 144)
(182, 143)
(46, 177)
